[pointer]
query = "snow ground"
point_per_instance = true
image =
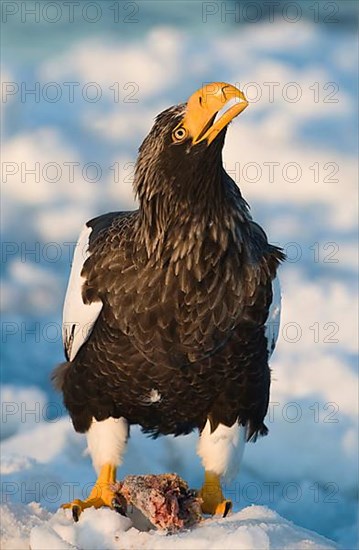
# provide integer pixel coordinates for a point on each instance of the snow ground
(255, 528)
(52, 472)
(306, 469)
(47, 465)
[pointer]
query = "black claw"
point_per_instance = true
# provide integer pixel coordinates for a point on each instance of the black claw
(227, 508)
(119, 506)
(76, 513)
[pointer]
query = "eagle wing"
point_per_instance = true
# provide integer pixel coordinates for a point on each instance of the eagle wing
(272, 256)
(273, 320)
(78, 317)
(83, 304)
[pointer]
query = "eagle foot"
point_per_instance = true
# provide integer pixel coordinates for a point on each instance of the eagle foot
(213, 501)
(101, 494)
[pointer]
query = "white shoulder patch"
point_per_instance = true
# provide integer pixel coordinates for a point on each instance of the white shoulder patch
(273, 321)
(78, 318)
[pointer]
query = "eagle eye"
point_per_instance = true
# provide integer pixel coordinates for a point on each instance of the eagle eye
(179, 134)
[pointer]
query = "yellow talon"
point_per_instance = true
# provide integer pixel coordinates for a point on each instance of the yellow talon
(214, 502)
(101, 493)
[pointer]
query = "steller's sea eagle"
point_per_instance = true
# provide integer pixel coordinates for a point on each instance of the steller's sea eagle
(172, 310)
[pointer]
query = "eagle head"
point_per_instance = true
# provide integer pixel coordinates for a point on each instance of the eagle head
(179, 179)
(184, 146)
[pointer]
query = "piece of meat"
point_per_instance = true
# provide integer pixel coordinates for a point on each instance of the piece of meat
(165, 500)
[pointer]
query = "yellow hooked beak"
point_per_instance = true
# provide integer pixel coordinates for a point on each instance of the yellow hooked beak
(208, 111)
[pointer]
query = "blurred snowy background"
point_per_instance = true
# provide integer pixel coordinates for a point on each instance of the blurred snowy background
(82, 83)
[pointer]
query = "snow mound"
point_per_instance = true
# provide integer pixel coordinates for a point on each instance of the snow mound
(253, 528)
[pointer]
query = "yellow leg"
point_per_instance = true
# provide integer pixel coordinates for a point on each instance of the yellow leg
(101, 494)
(213, 499)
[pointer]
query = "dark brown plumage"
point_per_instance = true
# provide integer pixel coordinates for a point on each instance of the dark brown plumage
(186, 285)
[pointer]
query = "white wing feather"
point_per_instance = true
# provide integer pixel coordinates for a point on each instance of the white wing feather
(78, 318)
(273, 320)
